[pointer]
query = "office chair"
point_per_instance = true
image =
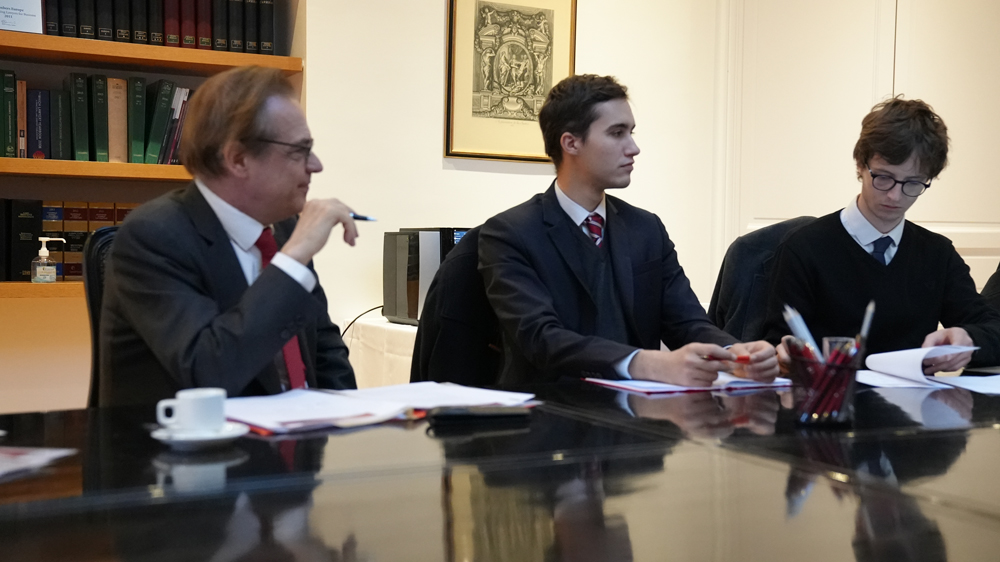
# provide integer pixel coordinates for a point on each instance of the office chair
(991, 291)
(739, 302)
(458, 337)
(95, 253)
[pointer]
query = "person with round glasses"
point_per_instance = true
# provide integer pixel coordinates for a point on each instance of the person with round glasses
(832, 267)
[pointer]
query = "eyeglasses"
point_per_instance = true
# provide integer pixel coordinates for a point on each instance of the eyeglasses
(911, 188)
(303, 150)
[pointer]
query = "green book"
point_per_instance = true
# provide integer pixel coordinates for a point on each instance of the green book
(136, 120)
(159, 96)
(98, 117)
(8, 128)
(76, 85)
(59, 124)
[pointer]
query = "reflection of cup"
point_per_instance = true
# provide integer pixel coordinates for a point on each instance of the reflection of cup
(196, 473)
(193, 411)
(824, 393)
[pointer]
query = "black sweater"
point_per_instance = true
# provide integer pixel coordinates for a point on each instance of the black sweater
(829, 278)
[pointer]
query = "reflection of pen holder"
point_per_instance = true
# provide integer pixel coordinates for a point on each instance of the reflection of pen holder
(824, 394)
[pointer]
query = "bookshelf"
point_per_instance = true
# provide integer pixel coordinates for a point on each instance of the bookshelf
(29, 290)
(72, 169)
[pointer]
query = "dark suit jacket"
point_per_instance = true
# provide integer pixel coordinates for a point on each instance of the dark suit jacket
(535, 280)
(178, 313)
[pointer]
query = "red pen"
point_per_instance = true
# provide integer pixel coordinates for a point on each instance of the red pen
(741, 359)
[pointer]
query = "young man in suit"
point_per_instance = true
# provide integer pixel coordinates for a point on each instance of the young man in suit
(585, 284)
(831, 268)
(197, 293)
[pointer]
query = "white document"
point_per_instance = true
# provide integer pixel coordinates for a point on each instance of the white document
(725, 381)
(26, 459)
(428, 394)
(904, 369)
(301, 410)
(21, 15)
(983, 385)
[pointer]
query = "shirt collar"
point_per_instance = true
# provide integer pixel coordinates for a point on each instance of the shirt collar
(242, 229)
(577, 213)
(858, 226)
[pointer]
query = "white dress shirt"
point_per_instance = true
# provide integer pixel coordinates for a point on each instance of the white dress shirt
(865, 234)
(578, 214)
(243, 232)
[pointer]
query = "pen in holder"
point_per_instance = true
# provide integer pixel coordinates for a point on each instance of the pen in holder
(825, 393)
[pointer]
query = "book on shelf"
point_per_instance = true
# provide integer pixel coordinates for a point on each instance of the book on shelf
(52, 216)
(60, 129)
(8, 114)
(85, 19)
(98, 131)
(104, 15)
(38, 125)
(67, 18)
(203, 23)
(101, 215)
(76, 85)
(174, 157)
(137, 119)
(140, 24)
(220, 25)
(25, 222)
(266, 19)
(250, 44)
(172, 22)
(159, 97)
(117, 120)
(22, 119)
(52, 17)
(155, 13)
(236, 26)
(123, 31)
(189, 29)
(4, 240)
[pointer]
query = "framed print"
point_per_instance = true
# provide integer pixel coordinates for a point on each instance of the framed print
(503, 58)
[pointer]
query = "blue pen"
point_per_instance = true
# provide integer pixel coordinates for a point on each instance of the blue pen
(358, 217)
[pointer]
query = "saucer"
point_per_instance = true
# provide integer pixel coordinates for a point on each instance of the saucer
(201, 441)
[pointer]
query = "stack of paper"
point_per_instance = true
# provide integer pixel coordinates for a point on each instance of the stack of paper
(427, 395)
(904, 369)
(724, 382)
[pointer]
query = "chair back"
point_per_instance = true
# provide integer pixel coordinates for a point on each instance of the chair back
(95, 254)
(739, 302)
(458, 337)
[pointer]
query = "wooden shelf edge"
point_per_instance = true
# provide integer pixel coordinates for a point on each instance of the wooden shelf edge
(28, 290)
(72, 50)
(92, 170)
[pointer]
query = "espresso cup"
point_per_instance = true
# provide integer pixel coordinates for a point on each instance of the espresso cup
(193, 411)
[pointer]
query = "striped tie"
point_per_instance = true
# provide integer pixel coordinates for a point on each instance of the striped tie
(595, 228)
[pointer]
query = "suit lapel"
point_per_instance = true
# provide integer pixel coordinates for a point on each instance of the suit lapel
(565, 240)
(621, 260)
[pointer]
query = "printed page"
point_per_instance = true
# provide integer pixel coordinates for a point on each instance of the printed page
(984, 385)
(907, 363)
(299, 410)
(428, 394)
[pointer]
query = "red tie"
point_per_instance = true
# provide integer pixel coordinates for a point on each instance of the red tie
(595, 227)
(293, 355)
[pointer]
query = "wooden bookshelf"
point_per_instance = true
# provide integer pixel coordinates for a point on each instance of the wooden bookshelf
(52, 49)
(73, 169)
(28, 290)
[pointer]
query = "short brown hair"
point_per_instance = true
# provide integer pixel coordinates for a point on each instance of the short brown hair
(229, 107)
(898, 128)
(569, 108)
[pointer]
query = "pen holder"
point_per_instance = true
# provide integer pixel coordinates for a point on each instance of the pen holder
(824, 393)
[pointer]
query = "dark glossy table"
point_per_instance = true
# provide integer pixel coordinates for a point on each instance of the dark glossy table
(597, 475)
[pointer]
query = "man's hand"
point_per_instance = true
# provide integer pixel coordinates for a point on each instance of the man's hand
(695, 364)
(953, 362)
(763, 359)
(316, 221)
(697, 414)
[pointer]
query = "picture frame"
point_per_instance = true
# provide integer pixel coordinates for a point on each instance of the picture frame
(503, 58)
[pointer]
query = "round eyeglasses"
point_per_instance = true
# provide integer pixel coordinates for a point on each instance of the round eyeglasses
(911, 188)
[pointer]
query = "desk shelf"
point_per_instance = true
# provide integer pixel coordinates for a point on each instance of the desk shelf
(74, 169)
(28, 290)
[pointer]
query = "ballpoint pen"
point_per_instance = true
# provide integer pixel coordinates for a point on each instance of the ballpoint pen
(358, 217)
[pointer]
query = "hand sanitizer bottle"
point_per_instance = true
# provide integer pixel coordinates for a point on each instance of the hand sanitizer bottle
(43, 269)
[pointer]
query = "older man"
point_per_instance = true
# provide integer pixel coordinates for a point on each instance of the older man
(198, 293)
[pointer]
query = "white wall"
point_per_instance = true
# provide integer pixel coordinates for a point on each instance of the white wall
(375, 102)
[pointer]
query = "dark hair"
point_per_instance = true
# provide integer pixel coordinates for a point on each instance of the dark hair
(569, 108)
(229, 107)
(897, 128)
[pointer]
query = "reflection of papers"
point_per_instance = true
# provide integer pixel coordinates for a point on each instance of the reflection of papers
(922, 408)
(429, 394)
(22, 459)
(904, 369)
(724, 382)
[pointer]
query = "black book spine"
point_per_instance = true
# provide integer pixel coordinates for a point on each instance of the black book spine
(155, 22)
(52, 17)
(140, 26)
(60, 138)
(122, 22)
(236, 25)
(25, 228)
(250, 44)
(4, 239)
(86, 26)
(266, 35)
(220, 25)
(104, 11)
(67, 18)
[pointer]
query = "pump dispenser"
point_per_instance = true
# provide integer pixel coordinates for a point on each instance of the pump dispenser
(43, 269)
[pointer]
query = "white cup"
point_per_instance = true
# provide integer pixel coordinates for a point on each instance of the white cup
(194, 411)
